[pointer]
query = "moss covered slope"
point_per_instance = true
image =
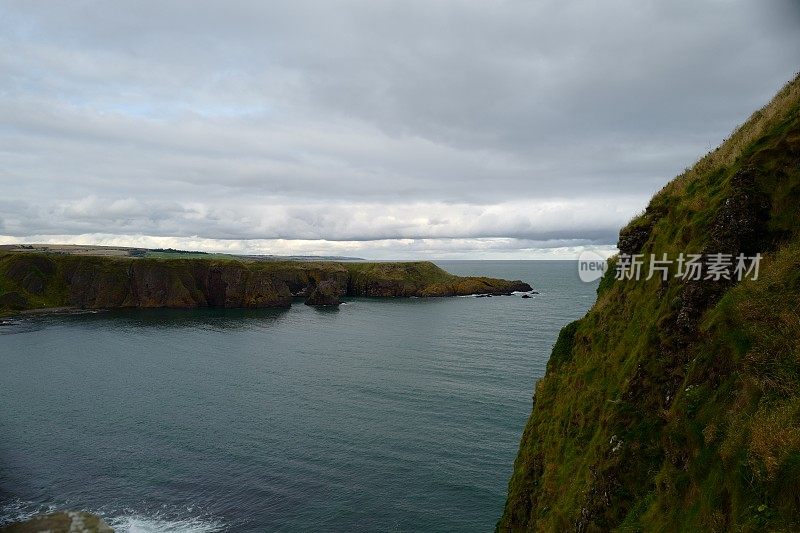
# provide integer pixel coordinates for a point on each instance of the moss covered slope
(675, 405)
(35, 280)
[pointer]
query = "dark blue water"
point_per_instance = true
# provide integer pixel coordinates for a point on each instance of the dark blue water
(386, 415)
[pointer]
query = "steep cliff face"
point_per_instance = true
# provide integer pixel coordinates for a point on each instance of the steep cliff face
(674, 405)
(32, 280)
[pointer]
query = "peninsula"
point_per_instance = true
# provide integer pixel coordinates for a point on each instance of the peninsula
(31, 279)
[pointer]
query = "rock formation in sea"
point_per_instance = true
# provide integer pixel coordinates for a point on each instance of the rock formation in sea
(326, 293)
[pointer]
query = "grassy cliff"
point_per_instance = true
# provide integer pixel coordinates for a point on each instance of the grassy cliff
(30, 280)
(675, 405)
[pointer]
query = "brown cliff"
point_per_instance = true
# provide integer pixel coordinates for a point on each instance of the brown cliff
(35, 280)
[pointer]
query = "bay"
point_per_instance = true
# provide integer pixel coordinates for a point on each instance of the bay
(383, 415)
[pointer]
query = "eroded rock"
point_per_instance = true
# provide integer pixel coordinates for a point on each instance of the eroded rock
(325, 293)
(61, 522)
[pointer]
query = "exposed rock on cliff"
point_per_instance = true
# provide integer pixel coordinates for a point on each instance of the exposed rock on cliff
(324, 294)
(62, 522)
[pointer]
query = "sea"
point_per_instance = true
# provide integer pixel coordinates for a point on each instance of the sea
(382, 415)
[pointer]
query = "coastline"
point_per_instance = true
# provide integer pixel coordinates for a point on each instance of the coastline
(50, 283)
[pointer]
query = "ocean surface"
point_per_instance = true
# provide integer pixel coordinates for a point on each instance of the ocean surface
(383, 415)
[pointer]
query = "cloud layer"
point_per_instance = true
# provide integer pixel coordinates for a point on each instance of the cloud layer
(362, 126)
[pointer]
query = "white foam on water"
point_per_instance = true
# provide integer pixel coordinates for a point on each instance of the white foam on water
(145, 524)
(18, 511)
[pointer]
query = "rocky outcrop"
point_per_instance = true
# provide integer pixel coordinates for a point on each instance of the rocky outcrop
(325, 294)
(467, 286)
(36, 280)
(232, 285)
(421, 278)
(61, 522)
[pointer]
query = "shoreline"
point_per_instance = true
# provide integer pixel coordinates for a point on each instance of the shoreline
(35, 283)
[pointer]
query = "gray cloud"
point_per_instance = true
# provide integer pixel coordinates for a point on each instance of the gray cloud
(362, 121)
(555, 220)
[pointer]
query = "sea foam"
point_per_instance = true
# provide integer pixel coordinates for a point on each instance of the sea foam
(144, 524)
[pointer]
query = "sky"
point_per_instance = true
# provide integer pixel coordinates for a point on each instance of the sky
(431, 129)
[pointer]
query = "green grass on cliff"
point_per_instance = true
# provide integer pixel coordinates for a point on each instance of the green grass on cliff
(411, 276)
(419, 278)
(39, 280)
(34, 280)
(675, 406)
(413, 271)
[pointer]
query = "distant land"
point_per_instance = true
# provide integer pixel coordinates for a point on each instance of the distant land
(159, 253)
(64, 277)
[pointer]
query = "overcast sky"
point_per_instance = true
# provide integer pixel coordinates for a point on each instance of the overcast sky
(397, 129)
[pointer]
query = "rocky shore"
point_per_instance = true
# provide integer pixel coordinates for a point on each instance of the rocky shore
(60, 522)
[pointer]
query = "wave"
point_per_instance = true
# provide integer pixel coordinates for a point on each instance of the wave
(123, 521)
(486, 294)
(18, 511)
(145, 524)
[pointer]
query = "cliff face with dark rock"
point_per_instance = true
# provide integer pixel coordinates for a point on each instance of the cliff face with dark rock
(34, 280)
(324, 294)
(674, 404)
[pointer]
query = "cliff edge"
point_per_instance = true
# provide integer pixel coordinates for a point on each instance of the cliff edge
(32, 280)
(674, 404)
